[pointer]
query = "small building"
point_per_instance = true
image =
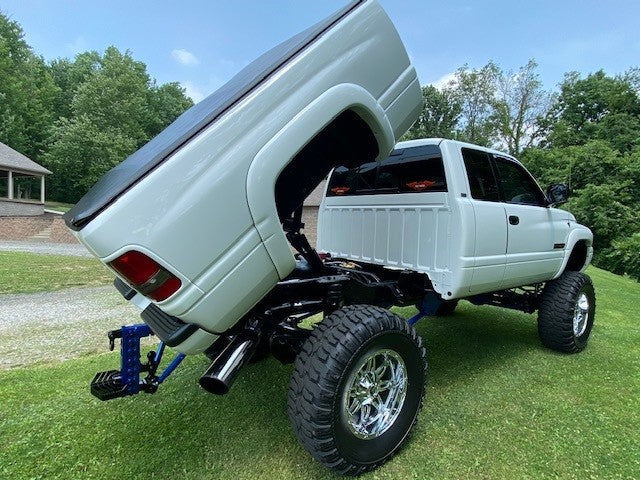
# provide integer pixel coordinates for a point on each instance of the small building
(22, 190)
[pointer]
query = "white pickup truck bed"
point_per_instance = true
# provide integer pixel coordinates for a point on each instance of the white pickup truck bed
(205, 199)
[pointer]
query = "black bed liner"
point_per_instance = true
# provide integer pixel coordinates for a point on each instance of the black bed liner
(119, 179)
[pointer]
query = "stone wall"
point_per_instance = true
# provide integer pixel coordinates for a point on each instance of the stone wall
(10, 208)
(47, 228)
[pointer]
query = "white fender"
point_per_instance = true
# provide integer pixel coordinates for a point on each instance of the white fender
(577, 233)
(278, 152)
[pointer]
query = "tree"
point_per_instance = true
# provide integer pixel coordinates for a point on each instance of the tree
(108, 106)
(519, 105)
(166, 103)
(624, 257)
(475, 90)
(608, 210)
(115, 96)
(27, 93)
(81, 152)
(595, 107)
(69, 75)
(439, 116)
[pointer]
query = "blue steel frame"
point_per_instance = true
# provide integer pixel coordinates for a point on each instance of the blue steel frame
(427, 307)
(130, 365)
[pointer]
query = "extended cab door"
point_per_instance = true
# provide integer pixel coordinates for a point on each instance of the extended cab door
(491, 223)
(535, 240)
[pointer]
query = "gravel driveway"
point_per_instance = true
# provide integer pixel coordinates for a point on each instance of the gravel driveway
(74, 249)
(39, 327)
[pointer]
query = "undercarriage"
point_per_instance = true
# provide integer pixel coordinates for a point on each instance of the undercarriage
(281, 322)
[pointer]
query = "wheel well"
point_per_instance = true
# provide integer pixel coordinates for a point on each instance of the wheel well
(348, 140)
(578, 257)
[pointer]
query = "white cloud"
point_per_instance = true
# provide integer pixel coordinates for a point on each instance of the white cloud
(184, 57)
(193, 91)
(444, 80)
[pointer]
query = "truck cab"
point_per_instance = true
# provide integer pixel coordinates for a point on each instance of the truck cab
(473, 219)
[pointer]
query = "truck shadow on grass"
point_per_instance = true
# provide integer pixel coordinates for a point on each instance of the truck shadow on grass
(183, 432)
(248, 430)
(474, 340)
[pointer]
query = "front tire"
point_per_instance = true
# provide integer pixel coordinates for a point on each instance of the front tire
(567, 312)
(357, 388)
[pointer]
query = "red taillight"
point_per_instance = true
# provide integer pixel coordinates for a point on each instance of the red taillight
(146, 275)
(135, 267)
(165, 290)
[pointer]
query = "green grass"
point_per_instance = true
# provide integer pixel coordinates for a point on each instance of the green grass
(498, 405)
(22, 272)
(58, 206)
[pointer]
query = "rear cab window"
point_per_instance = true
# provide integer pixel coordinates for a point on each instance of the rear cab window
(481, 175)
(408, 170)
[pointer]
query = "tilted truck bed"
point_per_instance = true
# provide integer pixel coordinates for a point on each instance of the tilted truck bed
(194, 120)
(206, 198)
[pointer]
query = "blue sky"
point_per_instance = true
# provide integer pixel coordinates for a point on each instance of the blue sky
(202, 44)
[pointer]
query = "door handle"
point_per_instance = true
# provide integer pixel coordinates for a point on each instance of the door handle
(514, 219)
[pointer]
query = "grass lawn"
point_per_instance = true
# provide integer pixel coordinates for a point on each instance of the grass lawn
(22, 272)
(498, 405)
(58, 206)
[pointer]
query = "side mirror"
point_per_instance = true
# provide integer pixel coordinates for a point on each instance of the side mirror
(558, 193)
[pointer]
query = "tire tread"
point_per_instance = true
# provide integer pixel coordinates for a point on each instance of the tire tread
(329, 348)
(555, 314)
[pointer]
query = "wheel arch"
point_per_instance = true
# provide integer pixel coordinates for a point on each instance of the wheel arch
(578, 251)
(288, 146)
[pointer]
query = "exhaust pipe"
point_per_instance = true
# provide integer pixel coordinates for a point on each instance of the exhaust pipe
(225, 367)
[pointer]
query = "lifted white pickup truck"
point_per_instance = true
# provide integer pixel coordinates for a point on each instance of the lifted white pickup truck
(199, 223)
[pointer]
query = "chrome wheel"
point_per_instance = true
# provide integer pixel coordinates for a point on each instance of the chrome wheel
(580, 315)
(374, 394)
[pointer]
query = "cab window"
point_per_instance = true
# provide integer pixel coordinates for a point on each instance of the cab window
(482, 179)
(517, 185)
(409, 170)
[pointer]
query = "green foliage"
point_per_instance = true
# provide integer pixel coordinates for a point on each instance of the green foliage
(439, 116)
(606, 191)
(608, 210)
(476, 92)
(27, 93)
(165, 104)
(68, 76)
(79, 117)
(114, 96)
(113, 108)
(595, 107)
(624, 256)
(547, 165)
(81, 152)
(518, 107)
(486, 106)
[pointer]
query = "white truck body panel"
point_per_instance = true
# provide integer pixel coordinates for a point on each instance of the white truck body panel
(207, 212)
(466, 246)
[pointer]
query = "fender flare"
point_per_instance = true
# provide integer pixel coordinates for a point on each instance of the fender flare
(581, 233)
(269, 162)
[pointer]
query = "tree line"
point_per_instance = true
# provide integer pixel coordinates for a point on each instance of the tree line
(80, 117)
(585, 134)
